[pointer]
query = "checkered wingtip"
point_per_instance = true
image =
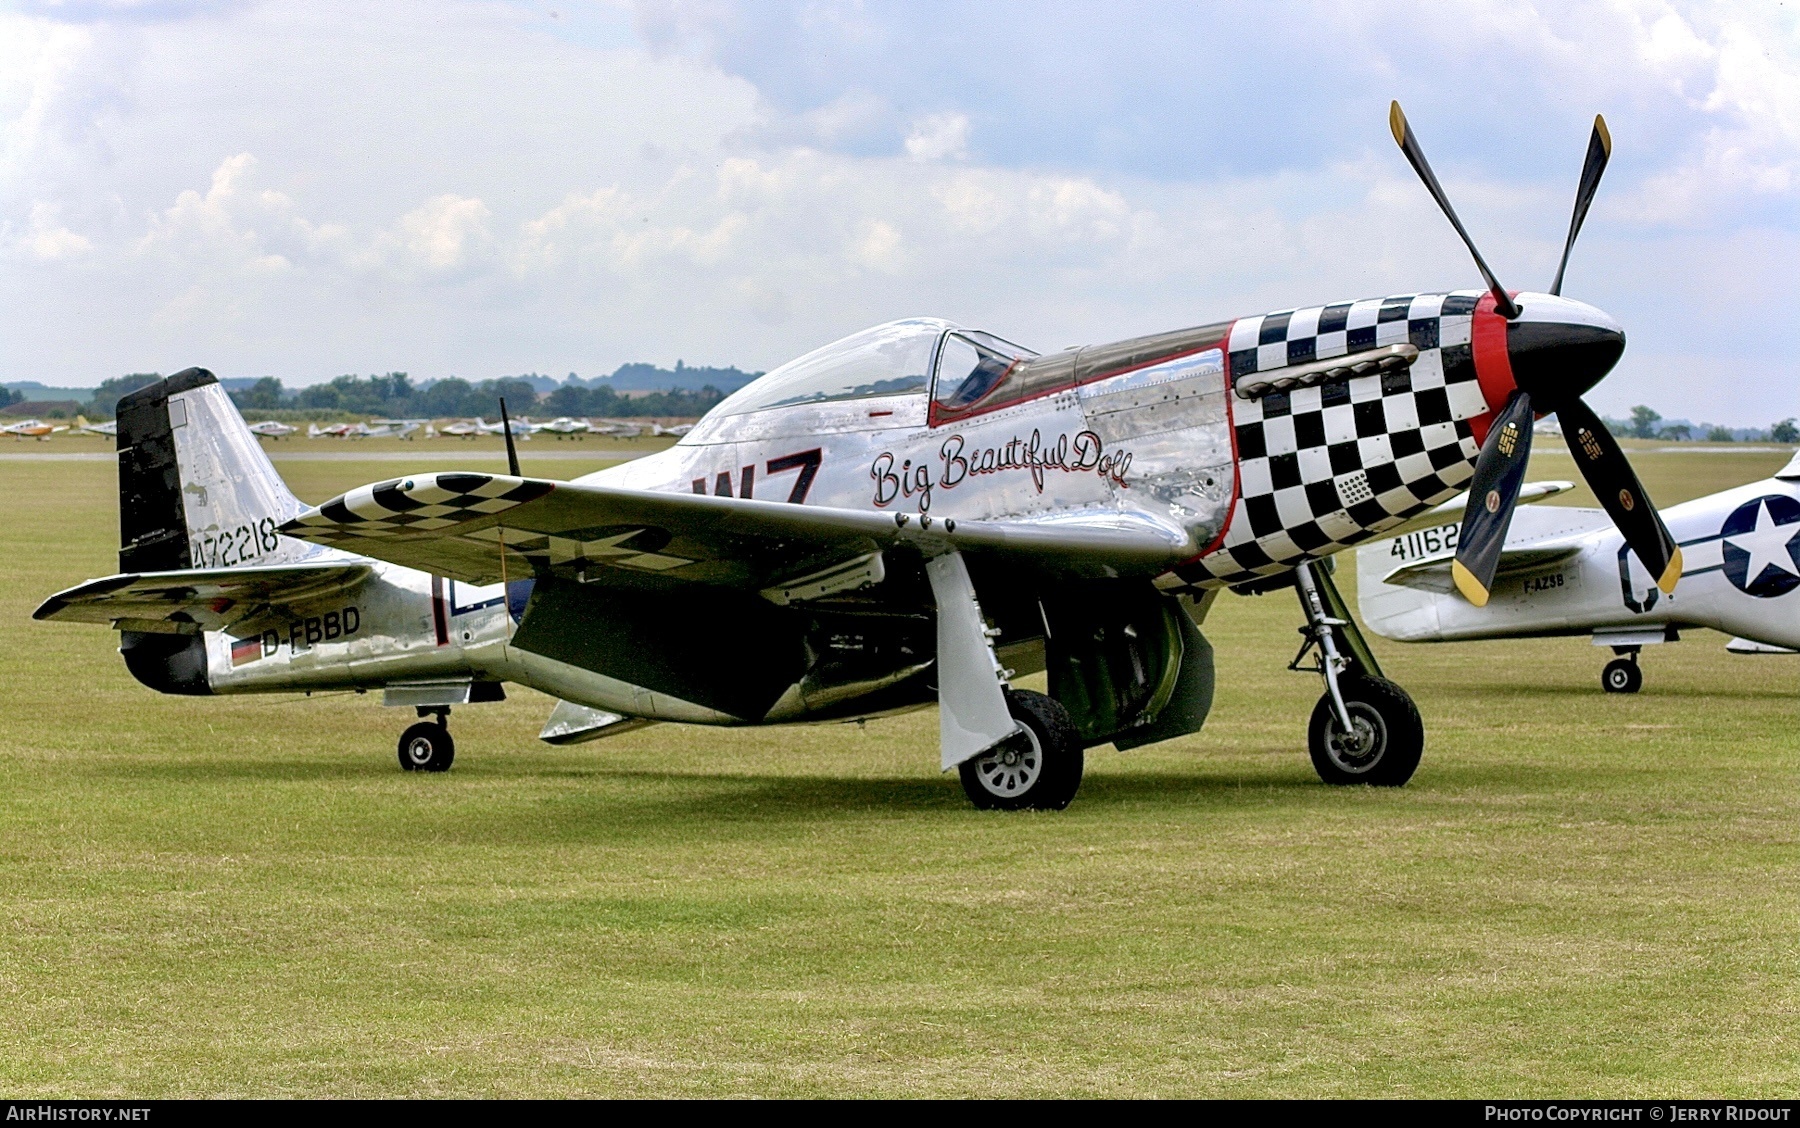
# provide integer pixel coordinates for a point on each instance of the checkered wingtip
(423, 503)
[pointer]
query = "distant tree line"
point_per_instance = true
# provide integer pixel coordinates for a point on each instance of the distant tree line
(395, 395)
(1647, 423)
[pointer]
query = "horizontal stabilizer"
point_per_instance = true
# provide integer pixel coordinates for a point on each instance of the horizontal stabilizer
(483, 528)
(1433, 573)
(196, 599)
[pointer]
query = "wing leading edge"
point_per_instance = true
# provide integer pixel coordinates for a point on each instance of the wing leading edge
(482, 528)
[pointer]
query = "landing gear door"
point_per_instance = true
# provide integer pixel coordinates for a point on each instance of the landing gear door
(1173, 420)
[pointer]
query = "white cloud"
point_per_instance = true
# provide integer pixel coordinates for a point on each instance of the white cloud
(442, 230)
(939, 137)
(49, 240)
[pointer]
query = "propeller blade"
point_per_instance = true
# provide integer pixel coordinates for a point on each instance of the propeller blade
(1403, 135)
(1599, 151)
(1493, 493)
(1613, 481)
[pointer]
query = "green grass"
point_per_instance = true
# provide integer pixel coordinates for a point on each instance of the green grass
(1577, 895)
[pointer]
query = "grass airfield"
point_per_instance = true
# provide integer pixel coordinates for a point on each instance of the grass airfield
(1578, 894)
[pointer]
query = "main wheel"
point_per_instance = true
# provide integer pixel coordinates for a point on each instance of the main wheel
(427, 747)
(1037, 769)
(1386, 740)
(1622, 676)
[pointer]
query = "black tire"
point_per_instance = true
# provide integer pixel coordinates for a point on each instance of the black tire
(427, 747)
(1038, 769)
(1391, 735)
(1621, 675)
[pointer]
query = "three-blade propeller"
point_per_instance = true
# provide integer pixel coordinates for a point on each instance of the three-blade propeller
(1554, 364)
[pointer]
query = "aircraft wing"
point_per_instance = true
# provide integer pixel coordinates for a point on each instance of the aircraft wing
(483, 528)
(1432, 573)
(199, 598)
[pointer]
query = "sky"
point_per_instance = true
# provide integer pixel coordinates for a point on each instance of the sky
(486, 189)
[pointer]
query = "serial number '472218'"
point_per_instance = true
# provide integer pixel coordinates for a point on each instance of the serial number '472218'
(226, 548)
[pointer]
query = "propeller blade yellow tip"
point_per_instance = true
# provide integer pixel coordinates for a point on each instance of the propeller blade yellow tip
(1671, 575)
(1471, 588)
(1605, 133)
(1397, 122)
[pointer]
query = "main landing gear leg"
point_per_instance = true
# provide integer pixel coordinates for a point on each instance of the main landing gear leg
(427, 746)
(1365, 729)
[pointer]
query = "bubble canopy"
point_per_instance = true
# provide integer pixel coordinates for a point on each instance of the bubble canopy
(890, 359)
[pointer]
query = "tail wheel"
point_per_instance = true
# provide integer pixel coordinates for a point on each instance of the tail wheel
(1386, 738)
(427, 747)
(1622, 676)
(1036, 769)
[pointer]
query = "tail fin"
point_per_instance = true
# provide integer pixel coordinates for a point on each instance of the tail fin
(196, 489)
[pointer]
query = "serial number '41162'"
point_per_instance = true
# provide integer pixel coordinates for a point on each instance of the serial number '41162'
(1426, 542)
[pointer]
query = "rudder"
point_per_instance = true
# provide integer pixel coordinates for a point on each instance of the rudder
(196, 490)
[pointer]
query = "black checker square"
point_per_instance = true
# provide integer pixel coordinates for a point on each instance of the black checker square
(1394, 309)
(1345, 458)
(1371, 419)
(1460, 305)
(1360, 339)
(1433, 405)
(1302, 350)
(1284, 471)
(1308, 537)
(1250, 441)
(1334, 318)
(1322, 497)
(1397, 382)
(1428, 489)
(1250, 555)
(1458, 362)
(1264, 520)
(1422, 333)
(1383, 476)
(1444, 457)
(1243, 363)
(1368, 513)
(1309, 429)
(1274, 328)
(1277, 404)
(1406, 442)
(1334, 393)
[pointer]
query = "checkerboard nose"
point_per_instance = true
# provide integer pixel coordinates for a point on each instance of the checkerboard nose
(1560, 348)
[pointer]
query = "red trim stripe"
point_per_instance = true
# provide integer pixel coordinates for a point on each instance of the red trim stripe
(1493, 367)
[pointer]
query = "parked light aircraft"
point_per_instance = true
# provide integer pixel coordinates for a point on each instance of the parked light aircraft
(33, 429)
(519, 428)
(331, 431)
(563, 425)
(462, 429)
(270, 429)
(917, 513)
(1568, 572)
(108, 429)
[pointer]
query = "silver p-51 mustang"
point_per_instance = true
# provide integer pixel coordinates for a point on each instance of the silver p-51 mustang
(917, 513)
